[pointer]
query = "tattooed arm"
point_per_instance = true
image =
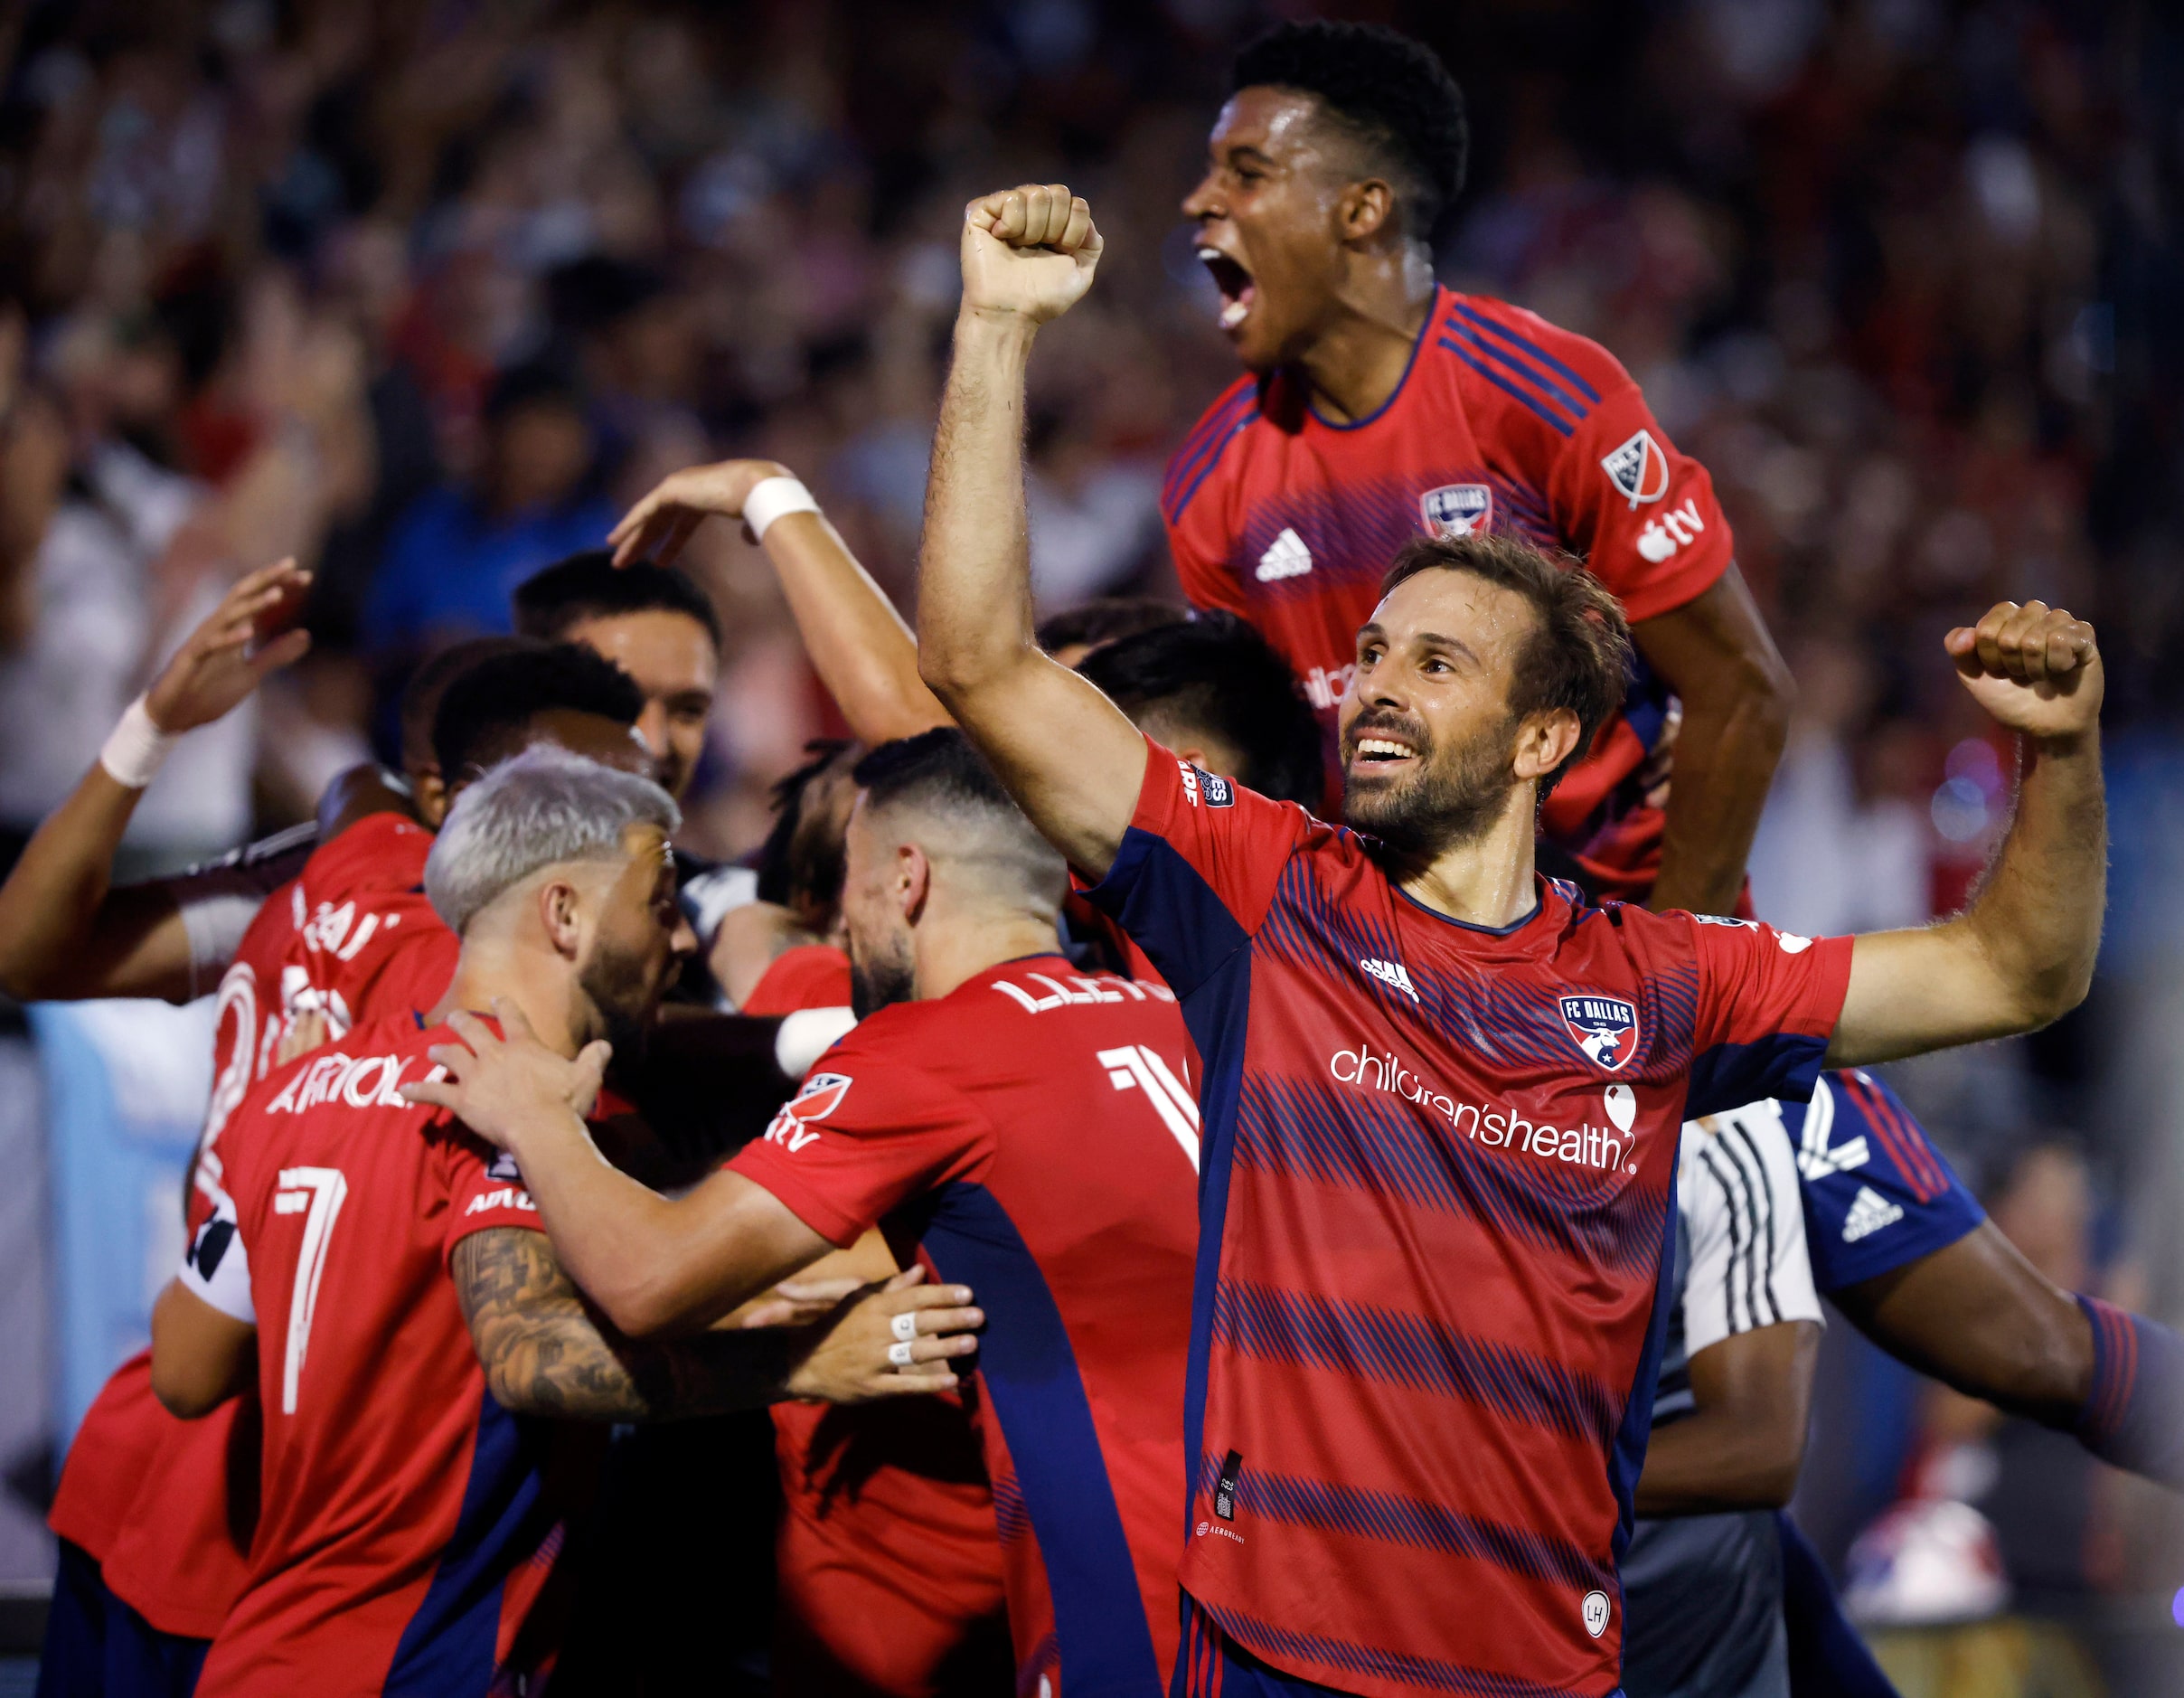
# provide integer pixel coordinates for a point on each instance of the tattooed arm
(545, 1352)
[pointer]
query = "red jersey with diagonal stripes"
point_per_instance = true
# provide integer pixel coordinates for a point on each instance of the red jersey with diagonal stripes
(405, 1532)
(1500, 422)
(1439, 1176)
(1034, 1131)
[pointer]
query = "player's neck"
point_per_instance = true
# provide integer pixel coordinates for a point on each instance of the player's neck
(1358, 361)
(1487, 881)
(488, 971)
(950, 953)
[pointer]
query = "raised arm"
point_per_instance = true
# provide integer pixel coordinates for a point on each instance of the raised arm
(1066, 752)
(544, 1353)
(863, 651)
(64, 931)
(2022, 954)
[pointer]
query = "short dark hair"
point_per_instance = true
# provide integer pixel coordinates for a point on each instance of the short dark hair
(1392, 93)
(1217, 673)
(799, 866)
(1578, 654)
(1105, 620)
(942, 775)
(588, 586)
(486, 707)
(546, 382)
(422, 695)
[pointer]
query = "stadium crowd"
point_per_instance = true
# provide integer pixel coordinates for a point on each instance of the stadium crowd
(455, 315)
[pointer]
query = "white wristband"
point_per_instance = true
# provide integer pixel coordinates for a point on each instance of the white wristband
(807, 1035)
(135, 748)
(771, 498)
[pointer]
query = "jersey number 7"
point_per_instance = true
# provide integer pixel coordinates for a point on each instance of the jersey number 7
(1140, 1065)
(317, 1194)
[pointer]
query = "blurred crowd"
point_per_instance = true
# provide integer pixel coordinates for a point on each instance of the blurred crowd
(424, 293)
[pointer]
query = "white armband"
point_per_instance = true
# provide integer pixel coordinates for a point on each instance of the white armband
(135, 748)
(217, 1270)
(772, 498)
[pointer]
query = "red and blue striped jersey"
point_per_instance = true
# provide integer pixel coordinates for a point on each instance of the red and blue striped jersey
(405, 1530)
(1035, 1131)
(1438, 1187)
(1500, 422)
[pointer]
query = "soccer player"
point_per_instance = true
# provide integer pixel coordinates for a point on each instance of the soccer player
(413, 1310)
(1028, 1124)
(1442, 1093)
(1377, 405)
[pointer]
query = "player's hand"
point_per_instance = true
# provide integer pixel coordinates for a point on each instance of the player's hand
(659, 524)
(2035, 668)
(898, 1341)
(1027, 252)
(246, 638)
(502, 1087)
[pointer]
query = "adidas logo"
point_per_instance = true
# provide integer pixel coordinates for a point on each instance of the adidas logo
(1870, 1211)
(1287, 558)
(1393, 974)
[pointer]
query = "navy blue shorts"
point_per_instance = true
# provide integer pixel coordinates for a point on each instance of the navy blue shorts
(1214, 1665)
(96, 1647)
(1877, 1192)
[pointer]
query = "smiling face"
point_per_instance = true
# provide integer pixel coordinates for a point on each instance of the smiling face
(1271, 213)
(1432, 754)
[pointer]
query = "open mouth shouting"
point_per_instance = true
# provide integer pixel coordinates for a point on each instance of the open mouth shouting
(1233, 281)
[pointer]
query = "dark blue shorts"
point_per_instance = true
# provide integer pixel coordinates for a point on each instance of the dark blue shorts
(96, 1647)
(1877, 1192)
(1214, 1665)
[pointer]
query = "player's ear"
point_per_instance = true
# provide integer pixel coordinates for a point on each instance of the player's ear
(561, 910)
(1366, 208)
(428, 793)
(913, 881)
(1545, 740)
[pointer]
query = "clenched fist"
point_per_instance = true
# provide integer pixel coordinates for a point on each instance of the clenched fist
(2035, 668)
(1027, 252)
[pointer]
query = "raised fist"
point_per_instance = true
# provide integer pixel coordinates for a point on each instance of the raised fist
(2035, 668)
(1028, 251)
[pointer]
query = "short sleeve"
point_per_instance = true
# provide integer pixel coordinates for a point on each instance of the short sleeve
(1738, 1192)
(216, 1266)
(862, 1137)
(1197, 867)
(1767, 1004)
(1642, 514)
(484, 1190)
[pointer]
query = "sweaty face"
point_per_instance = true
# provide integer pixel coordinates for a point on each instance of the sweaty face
(673, 658)
(882, 960)
(1269, 220)
(1428, 740)
(638, 939)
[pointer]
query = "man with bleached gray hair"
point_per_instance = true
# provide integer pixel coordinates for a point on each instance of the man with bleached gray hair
(413, 1310)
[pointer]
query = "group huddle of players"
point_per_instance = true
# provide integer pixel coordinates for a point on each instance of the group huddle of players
(1185, 1246)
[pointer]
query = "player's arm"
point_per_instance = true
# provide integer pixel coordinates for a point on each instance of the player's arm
(654, 1265)
(863, 651)
(65, 932)
(1067, 754)
(544, 1353)
(1742, 1446)
(1715, 654)
(2022, 953)
(201, 1355)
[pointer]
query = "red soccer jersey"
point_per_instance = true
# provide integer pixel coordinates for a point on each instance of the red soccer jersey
(405, 1533)
(1438, 1191)
(1502, 422)
(810, 975)
(1035, 1129)
(367, 941)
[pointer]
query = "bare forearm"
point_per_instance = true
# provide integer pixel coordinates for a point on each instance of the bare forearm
(975, 583)
(545, 1354)
(1713, 1461)
(653, 1265)
(2037, 914)
(1726, 755)
(865, 653)
(56, 940)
